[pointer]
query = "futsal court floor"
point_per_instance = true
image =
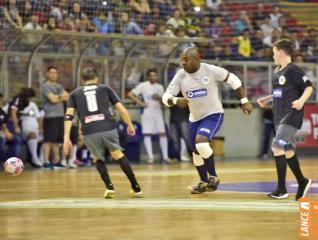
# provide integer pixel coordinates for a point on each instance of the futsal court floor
(68, 204)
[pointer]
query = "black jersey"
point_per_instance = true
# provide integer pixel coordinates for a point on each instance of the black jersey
(93, 105)
(288, 85)
(3, 118)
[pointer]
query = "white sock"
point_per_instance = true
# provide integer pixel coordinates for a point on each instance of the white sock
(164, 146)
(148, 145)
(183, 150)
(33, 146)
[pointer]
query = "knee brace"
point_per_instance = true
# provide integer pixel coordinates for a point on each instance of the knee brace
(197, 160)
(204, 149)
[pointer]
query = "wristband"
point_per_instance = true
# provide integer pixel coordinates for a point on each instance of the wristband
(244, 100)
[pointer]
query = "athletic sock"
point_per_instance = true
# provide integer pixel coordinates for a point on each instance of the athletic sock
(281, 167)
(164, 146)
(126, 168)
(101, 168)
(202, 173)
(33, 147)
(210, 166)
(293, 164)
(148, 146)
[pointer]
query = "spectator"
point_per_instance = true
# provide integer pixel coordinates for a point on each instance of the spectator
(12, 18)
(76, 12)
(53, 96)
(5, 134)
(140, 6)
(269, 40)
(275, 15)
(103, 23)
(165, 7)
(33, 23)
(176, 21)
(257, 42)
(267, 27)
(150, 29)
(59, 11)
(258, 15)
(51, 25)
(242, 23)
(309, 43)
(129, 26)
(151, 119)
(31, 127)
(294, 37)
(26, 12)
(244, 45)
(213, 5)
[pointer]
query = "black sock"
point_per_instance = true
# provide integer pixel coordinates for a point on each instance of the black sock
(281, 167)
(125, 166)
(101, 168)
(203, 173)
(210, 166)
(293, 164)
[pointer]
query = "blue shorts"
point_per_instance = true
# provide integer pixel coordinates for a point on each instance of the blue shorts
(207, 127)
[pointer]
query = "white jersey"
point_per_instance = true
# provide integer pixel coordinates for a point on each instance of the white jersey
(29, 116)
(147, 90)
(200, 89)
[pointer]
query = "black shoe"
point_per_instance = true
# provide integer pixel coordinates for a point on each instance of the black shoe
(213, 183)
(200, 188)
(278, 194)
(303, 189)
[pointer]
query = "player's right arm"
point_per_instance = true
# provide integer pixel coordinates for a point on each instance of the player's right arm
(169, 97)
(263, 101)
(124, 114)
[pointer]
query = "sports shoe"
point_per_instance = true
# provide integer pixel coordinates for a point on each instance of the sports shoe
(109, 193)
(64, 163)
(71, 164)
(48, 165)
(278, 195)
(200, 188)
(213, 183)
(135, 194)
(59, 165)
(169, 161)
(303, 189)
(150, 160)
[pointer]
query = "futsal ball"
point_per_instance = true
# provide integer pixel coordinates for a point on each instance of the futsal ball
(13, 166)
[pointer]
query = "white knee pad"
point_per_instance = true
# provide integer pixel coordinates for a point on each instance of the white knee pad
(197, 160)
(204, 149)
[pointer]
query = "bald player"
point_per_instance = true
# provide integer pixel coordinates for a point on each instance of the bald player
(198, 82)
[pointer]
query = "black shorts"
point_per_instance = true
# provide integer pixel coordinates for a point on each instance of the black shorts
(53, 129)
(74, 135)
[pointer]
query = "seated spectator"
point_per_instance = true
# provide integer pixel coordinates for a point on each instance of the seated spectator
(257, 42)
(26, 12)
(176, 20)
(242, 23)
(59, 10)
(193, 25)
(165, 7)
(275, 15)
(129, 26)
(33, 23)
(310, 42)
(267, 27)
(151, 29)
(12, 18)
(258, 15)
(76, 12)
(213, 5)
(244, 45)
(51, 25)
(295, 38)
(269, 40)
(140, 6)
(103, 23)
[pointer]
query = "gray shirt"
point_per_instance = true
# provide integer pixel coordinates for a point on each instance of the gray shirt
(52, 109)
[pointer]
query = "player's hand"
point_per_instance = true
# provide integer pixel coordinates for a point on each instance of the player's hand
(67, 144)
(262, 102)
(131, 130)
(247, 108)
(17, 130)
(182, 102)
(298, 104)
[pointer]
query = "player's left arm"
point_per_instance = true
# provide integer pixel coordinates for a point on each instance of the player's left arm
(236, 85)
(69, 115)
(299, 103)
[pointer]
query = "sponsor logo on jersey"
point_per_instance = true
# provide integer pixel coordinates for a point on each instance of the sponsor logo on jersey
(282, 142)
(205, 80)
(94, 118)
(205, 130)
(197, 93)
(305, 78)
(277, 93)
(281, 80)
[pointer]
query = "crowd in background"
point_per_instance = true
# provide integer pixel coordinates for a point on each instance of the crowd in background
(235, 34)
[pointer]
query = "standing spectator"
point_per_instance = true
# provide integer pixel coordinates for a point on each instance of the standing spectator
(31, 126)
(33, 23)
(26, 12)
(103, 23)
(12, 18)
(267, 27)
(53, 96)
(59, 11)
(309, 43)
(176, 20)
(275, 15)
(257, 42)
(151, 119)
(242, 23)
(258, 15)
(245, 47)
(129, 26)
(76, 12)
